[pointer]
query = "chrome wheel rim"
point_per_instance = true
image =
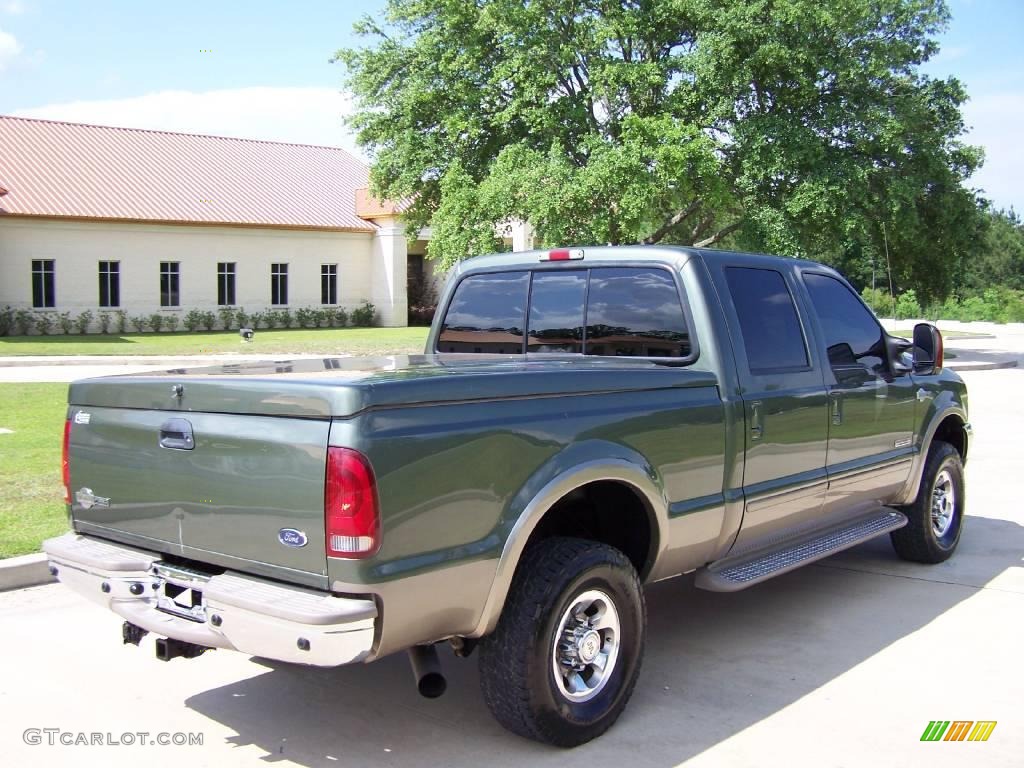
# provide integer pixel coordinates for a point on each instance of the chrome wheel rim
(943, 504)
(586, 646)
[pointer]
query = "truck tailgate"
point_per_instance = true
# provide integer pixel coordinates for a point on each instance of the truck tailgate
(248, 493)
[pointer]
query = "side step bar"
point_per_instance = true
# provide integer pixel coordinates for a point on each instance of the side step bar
(733, 574)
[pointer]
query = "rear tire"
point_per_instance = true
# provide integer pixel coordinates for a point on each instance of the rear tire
(935, 519)
(564, 658)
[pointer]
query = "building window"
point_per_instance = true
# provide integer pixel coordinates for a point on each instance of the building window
(110, 284)
(42, 283)
(226, 283)
(328, 283)
(170, 274)
(278, 283)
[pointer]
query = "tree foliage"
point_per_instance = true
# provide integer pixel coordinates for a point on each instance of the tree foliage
(794, 126)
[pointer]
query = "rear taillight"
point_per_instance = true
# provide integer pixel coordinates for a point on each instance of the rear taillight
(351, 514)
(65, 468)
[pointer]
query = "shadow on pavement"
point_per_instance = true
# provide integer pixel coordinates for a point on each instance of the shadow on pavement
(715, 665)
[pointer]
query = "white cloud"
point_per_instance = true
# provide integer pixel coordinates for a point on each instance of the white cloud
(14, 7)
(306, 115)
(996, 118)
(9, 48)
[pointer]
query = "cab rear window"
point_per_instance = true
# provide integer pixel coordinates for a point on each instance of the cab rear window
(607, 311)
(487, 314)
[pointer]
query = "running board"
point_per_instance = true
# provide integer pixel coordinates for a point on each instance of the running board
(743, 571)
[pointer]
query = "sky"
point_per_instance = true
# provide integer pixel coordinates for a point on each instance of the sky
(262, 70)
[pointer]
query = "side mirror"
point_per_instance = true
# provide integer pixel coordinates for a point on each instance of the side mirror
(927, 349)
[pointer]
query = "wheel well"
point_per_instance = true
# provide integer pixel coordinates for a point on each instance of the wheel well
(607, 511)
(951, 431)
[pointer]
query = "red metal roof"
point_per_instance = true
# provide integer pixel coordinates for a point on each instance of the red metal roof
(73, 170)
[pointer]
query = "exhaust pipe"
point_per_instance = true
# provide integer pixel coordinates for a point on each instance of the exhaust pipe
(426, 668)
(168, 648)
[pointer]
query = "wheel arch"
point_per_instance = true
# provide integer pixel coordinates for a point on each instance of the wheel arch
(948, 422)
(627, 475)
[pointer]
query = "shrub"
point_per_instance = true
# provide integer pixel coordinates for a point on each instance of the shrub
(140, 323)
(122, 321)
(242, 318)
(364, 315)
(24, 321)
(907, 305)
(304, 316)
(209, 320)
(880, 301)
(255, 319)
(44, 323)
(193, 320)
(104, 322)
(83, 321)
(284, 318)
(973, 308)
(227, 317)
(323, 317)
(6, 321)
(171, 323)
(156, 322)
(338, 317)
(66, 323)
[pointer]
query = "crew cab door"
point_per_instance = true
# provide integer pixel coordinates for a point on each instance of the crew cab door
(871, 409)
(785, 401)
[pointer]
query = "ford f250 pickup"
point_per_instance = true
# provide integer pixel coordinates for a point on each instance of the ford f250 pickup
(583, 421)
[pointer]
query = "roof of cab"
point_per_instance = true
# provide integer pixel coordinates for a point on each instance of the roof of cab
(676, 255)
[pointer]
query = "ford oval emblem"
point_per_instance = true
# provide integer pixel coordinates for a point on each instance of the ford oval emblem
(292, 538)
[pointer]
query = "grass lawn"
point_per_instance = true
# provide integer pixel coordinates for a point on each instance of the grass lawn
(31, 495)
(908, 333)
(353, 341)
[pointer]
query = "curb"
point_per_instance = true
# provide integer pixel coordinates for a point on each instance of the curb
(983, 366)
(24, 571)
(186, 362)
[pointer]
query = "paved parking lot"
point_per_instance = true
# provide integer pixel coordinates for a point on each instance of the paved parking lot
(842, 663)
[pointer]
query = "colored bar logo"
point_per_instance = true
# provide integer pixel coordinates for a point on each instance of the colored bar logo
(958, 730)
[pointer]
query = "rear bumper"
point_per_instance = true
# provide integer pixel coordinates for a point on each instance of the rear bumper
(240, 612)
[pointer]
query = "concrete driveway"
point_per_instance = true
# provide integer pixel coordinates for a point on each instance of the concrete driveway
(842, 663)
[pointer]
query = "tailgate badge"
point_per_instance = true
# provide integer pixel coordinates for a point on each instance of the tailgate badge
(87, 499)
(81, 417)
(291, 537)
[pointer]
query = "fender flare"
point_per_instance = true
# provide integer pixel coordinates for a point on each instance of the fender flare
(612, 469)
(942, 412)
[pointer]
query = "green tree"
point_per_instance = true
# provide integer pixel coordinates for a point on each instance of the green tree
(791, 125)
(998, 259)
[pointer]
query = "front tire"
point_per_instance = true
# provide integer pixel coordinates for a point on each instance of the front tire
(564, 658)
(935, 519)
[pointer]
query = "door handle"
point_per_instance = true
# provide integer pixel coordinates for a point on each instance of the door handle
(837, 408)
(176, 433)
(756, 425)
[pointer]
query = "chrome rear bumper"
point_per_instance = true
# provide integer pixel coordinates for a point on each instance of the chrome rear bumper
(233, 610)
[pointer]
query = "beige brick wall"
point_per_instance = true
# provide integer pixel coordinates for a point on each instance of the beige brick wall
(77, 247)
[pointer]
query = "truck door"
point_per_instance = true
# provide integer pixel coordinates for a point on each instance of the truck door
(785, 402)
(871, 410)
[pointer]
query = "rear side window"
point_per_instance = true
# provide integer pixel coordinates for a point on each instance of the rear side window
(635, 313)
(556, 311)
(852, 335)
(487, 314)
(771, 330)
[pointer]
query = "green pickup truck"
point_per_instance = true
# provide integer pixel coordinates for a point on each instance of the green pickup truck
(582, 422)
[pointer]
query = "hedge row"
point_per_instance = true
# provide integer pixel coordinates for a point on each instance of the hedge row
(996, 305)
(24, 322)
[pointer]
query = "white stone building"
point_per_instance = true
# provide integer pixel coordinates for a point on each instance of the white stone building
(104, 219)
